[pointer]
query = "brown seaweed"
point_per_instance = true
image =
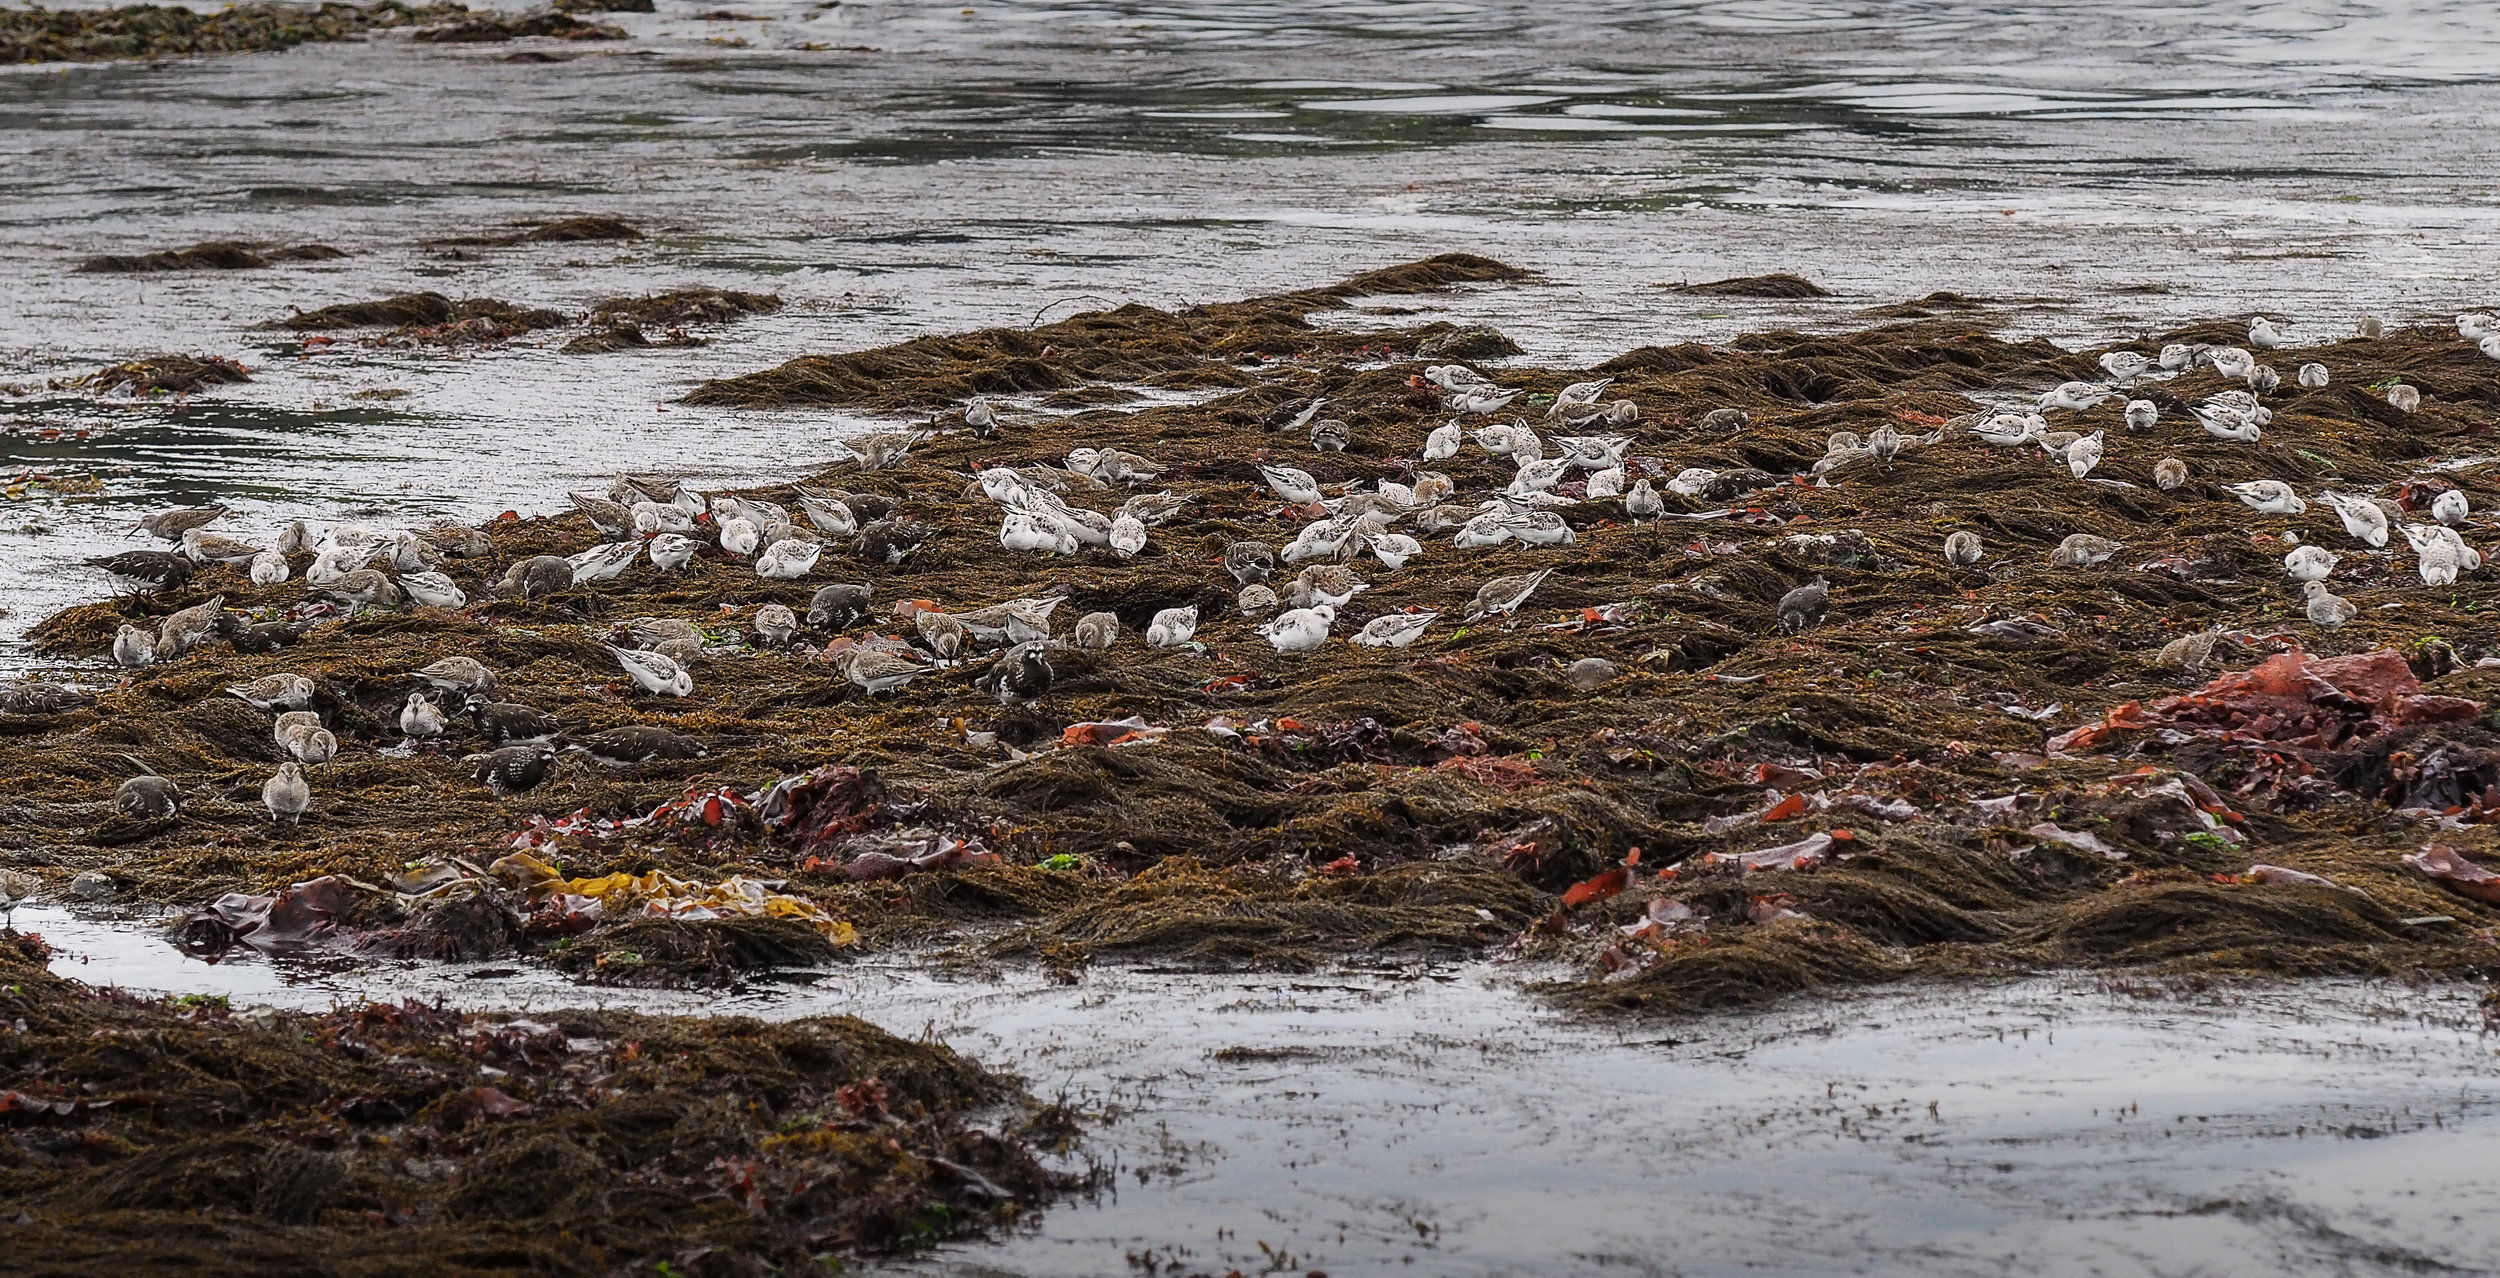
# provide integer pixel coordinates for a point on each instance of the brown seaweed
(218, 255)
(36, 34)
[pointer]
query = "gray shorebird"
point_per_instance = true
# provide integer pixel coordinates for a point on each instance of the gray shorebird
(148, 798)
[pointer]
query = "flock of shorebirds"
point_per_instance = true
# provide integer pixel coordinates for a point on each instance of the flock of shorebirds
(357, 567)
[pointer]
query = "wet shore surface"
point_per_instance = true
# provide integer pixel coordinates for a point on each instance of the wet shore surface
(1442, 1119)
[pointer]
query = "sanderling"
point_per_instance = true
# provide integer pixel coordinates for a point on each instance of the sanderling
(877, 673)
(1482, 532)
(1432, 488)
(1396, 630)
(1479, 403)
(2450, 508)
(1300, 629)
(2142, 414)
(147, 798)
(2170, 472)
(310, 743)
(837, 606)
(2474, 326)
(653, 517)
(147, 571)
(290, 720)
(2265, 334)
(2404, 398)
(2263, 379)
(1442, 443)
(1330, 435)
(1722, 421)
(656, 674)
(1172, 627)
(1454, 376)
(944, 635)
(1594, 452)
(1293, 485)
(835, 519)
(775, 624)
(433, 590)
(275, 692)
(1027, 532)
(635, 743)
(599, 563)
(1588, 673)
(2124, 367)
(739, 537)
(1127, 536)
(1326, 539)
(1330, 584)
(1542, 528)
(670, 551)
(1097, 630)
(2490, 345)
(420, 717)
(2423, 536)
(1692, 481)
(2370, 326)
(1538, 476)
(1394, 549)
(2309, 563)
(287, 795)
(789, 559)
(297, 539)
(2083, 550)
(1503, 596)
(2313, 376)
(133, 647)
(1805, 606)
(1151, 509)
(1249, 561)
(512, 769)
(2328, 611)
(2084, 454)
(2006, 430)
(980, 417)
(1291, 416)
(205, 547)
(462, 675)
(269, 568)
(2437, 561)
(2178, 357)
(170, 525)
(2074, 396)
(2232, 362)
(1962, 549)
(1257, 602)
(879, 451)
(2269, 497)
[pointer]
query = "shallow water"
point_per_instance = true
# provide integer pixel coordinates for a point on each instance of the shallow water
(1444, 1121)
(2100, 169)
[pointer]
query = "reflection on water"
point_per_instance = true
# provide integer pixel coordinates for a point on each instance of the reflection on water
(1444, 1122)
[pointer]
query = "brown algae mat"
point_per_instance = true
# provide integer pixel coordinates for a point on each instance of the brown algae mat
(160, 1136)
(2154, 764)
(216, 255)
(148, 31)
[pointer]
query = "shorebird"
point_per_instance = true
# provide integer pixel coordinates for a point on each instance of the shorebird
(1805, 606)
(1442, 443)
(610, 519)
(1542, 528)
(2074, 396)
(509, 722)
(1489, 529)
(1257, 602)
(2265, 334)
(1503, 596)
(205, 547)
(170, 525)
(1128, 536)
(512, 769)
(775, 624)
(2170, 472)
(2450, 508)
(656, 674)
(944, 635)
(1962, 549)
(2309, 563)
(2269, 497)
(1293, 485)
(980, 417)
(1290, 417)
(275, 692)
(2313, 376)
(739, 536)
(1455, 377)
(433, 590)
(1150, 509)
(1479, 403)
(835, 519)
(634, 743)
(2474, 326)
(1330, 435)
(1172, 627)
(1396, 630)
(837, 605)
(1332, 584)
(133, 648)
(1394, 549)
(269, 568)
(2124, 367)
(875, 672)
(1606, 483)
(2007, 430)
(2327, 610)
(1642, 503)
(1097, 630)
(147, 798)
(2142, 414)
(310, 743)
(2232, 362)
(147, 571)
(463, 675)
(287, 795)
(537, 577)
(1249, 561)
(1589, 673)
(1301, 629)
(1021, 675)
(2084, 454)
(882, 450)
(2083, 550)
(2405, 399)
(788, 559)
(420, 717)
(671, 551)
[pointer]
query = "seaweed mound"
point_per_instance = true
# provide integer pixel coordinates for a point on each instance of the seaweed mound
(1778, 287)
(1678, 763)
(36, 34)
(489, 28)
(564, 231)
(683, 306)
(166, 375)
(178, 1136)
(428, 319)
(221, 255)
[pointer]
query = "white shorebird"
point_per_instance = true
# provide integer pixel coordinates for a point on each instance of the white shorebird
(2266, 335)
(2232, 362)
(2450, 508)
(1396, 630)
(275, 692)
(1480, 403)
(1442, 444)
(2084, 454)
(670, 551)
(2474, 326)
(269, 568)
(788, 559)
(1172, 627)
(1962, 549)
(1503, 596)
(2313, 376)
(2362, 517)
(2125, 367)
(433, 590)
(1300, 630)
(599, 563)
(1643, 502)
(420, 717)
(657, 674)
(2309, 563)
(2006, 430)
(1293, 485)
(1394, 549)
(2074, 396)
(287, 795)
(1128, 536)
(2142, 414)
(2327, 610)
(2269, 497)
(2405, 399)
(739, 536)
